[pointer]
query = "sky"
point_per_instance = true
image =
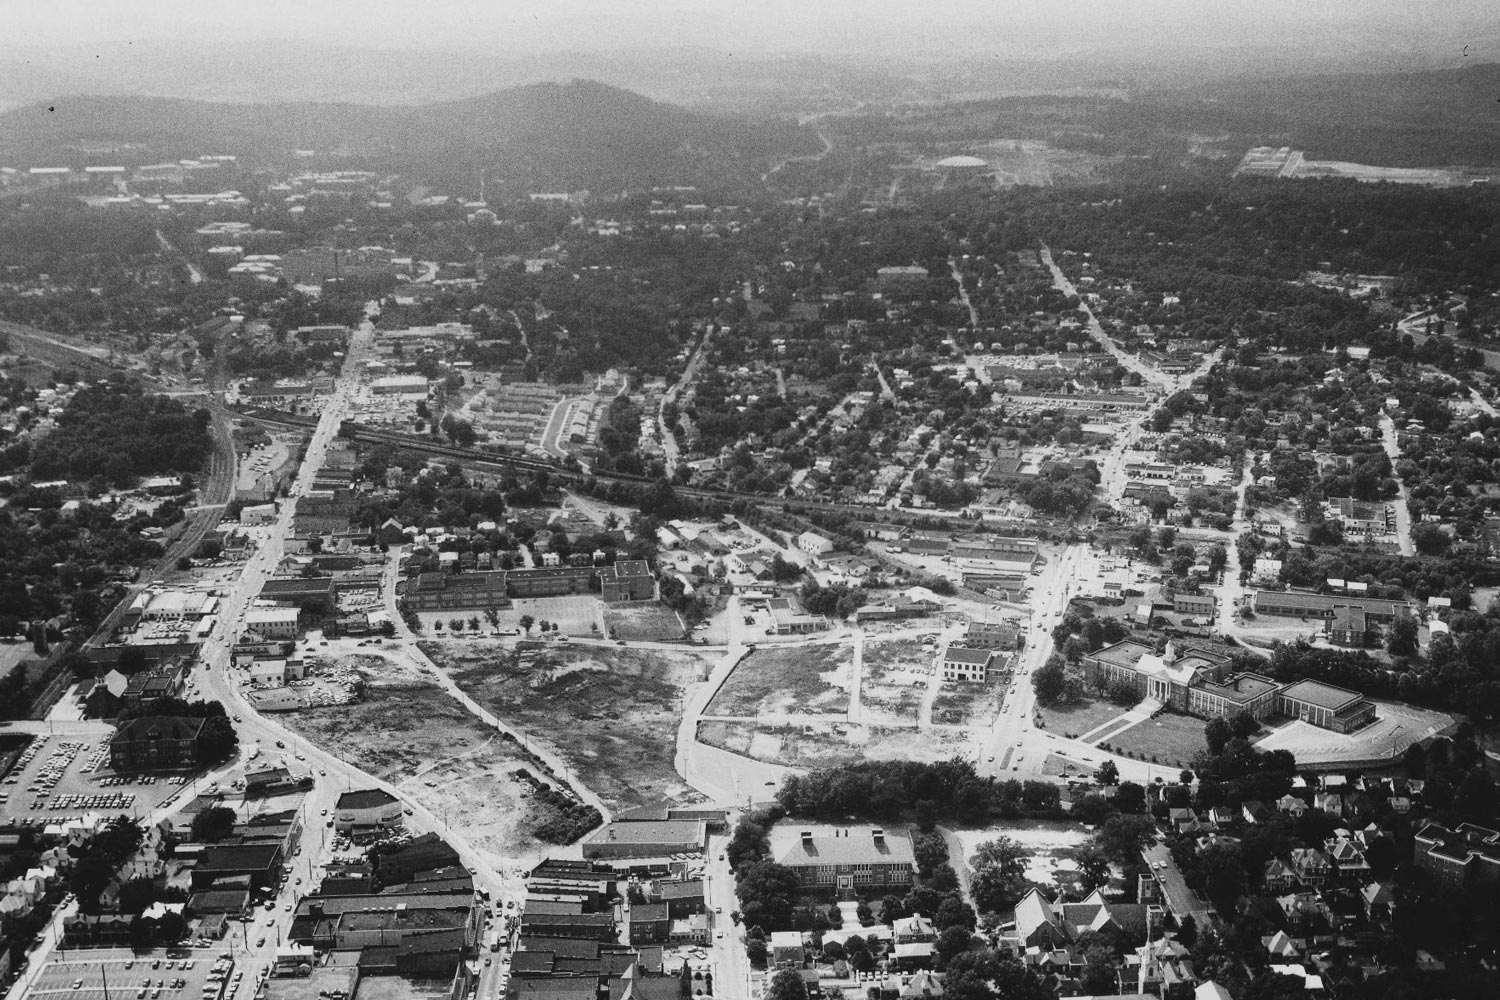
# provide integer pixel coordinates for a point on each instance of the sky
(1004, 28)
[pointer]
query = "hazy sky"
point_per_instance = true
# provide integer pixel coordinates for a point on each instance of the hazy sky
(1005, 27)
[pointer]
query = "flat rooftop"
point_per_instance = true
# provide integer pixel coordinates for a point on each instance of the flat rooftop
(1321, 695)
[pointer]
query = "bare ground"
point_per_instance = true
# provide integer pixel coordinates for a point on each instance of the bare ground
(611, 712)
(806, 680)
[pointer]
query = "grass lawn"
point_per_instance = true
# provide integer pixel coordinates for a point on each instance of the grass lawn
(795, 679)
(1167, 739)
(611, 712)
(646, 621)
(1075, 720)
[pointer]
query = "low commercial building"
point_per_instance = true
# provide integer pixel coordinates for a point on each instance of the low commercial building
(1301, 604)
(787, 618)
(367, 812)
(650, 839)
(255, 865)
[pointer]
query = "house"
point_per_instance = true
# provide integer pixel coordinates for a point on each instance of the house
(1377, 899)
(844, 859)
(367, 812)
(964, 665)
(1279, 876)
(1310, 866)
(814, 544)
(913, 938)
(157, 741)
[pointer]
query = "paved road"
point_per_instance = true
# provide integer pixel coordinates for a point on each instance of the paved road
(1403, 511)
(220, 681)
(669, 439)
(1150, 376)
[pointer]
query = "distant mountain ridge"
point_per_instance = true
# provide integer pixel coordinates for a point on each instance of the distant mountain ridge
(574, 134)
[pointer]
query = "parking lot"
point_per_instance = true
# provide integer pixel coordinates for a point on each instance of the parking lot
(58, 777)
(117, 974)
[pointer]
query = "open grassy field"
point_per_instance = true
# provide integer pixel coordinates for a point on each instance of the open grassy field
(1167, 739)
(829, 744)
(1075, 720)
(645, 621)
(805, 680)
(611, 712)
(969, 704)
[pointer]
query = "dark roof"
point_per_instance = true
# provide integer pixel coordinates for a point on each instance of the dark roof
(365, 798)
(245, 858)
(647, 912)
(160, 727)
(1321, 695)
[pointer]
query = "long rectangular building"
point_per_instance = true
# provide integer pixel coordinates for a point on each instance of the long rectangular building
(1301, 604)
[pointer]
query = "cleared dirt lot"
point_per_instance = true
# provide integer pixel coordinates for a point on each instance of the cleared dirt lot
(895, 676)
(805, 680)
(969, 704)
(611, 712)
(409, 732)
(829, 744)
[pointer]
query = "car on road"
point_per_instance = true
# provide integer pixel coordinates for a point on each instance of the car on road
(323, 813)
(280, 745)
(236, 718)
(322, 773)
(990, 758)
(261, 943)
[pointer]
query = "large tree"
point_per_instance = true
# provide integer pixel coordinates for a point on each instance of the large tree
(786, 985)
